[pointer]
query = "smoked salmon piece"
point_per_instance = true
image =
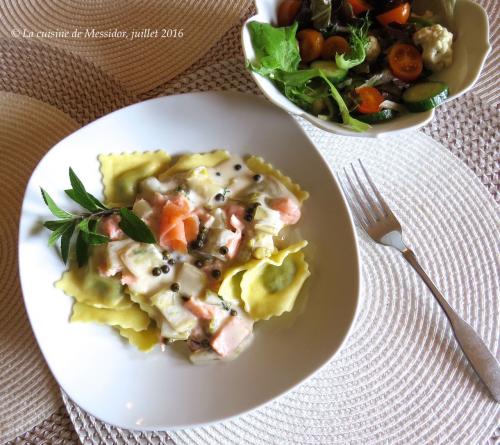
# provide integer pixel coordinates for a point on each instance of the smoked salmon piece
(201, 310)
(288, 208)
(230, 335)
(109, 227)
(178, 226)
(191, 227)
(237, 226)
(175, 238)
(234, 209)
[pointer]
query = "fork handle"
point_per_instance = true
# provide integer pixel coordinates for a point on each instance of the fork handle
(479, 356)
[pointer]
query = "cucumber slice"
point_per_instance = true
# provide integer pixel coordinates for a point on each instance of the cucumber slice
(425, 96)
(376, 118)
(331, 70)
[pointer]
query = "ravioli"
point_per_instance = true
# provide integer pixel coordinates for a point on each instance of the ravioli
(271, 286)
(121, 174)
(258, 165)
(191, 161)
(145, 304)
(130, 318)
(239, 214)
(230, 288)
(90, 288)
(142, 340)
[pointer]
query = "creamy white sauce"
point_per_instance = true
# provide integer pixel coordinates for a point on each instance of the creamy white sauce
(203, 187)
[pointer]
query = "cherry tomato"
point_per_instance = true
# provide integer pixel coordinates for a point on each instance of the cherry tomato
(370, 100)
(287, 11)
(359, 6)
(405, 61)
(399, 15)
(310, 44)
(334, 45)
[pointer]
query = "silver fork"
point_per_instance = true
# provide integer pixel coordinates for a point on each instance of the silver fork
(377, 219)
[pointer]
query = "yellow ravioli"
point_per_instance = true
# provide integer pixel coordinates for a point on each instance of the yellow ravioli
(192, 161)
(230, 288)
(258, 165)
(121, 173)
(142, 340)
(88, 287)
(271, 287)
(145, 304)
(131, 318)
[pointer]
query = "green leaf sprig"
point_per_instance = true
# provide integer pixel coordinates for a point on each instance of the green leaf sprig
(84, 225)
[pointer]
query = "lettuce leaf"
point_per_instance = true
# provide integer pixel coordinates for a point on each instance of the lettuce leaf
(359, 41)
(295, 84)
(278, 57)
(275, 48)
(347, 119)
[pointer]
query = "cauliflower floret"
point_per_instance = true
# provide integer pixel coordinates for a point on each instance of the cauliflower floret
(436, 42)
(372, 49)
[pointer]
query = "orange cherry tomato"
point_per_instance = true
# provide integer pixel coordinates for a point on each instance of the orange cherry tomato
(359, 6)
(369, 100)
(399, 15)
(405, 61)
(310, 44)
(334, 45)
(287, 11)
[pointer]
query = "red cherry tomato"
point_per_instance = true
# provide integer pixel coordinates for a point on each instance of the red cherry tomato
(369, 100)
(405, 61)
(359, 6)
(400, 15)
(334, 45)
(310, 44)
(287, 11)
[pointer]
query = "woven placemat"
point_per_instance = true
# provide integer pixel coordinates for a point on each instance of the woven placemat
(401, 377)
(139, 43)
(28, 393)
(84, 89)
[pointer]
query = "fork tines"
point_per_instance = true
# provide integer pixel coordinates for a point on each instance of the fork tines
(368, 204)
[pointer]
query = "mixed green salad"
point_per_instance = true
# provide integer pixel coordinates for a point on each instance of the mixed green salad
(356, 62)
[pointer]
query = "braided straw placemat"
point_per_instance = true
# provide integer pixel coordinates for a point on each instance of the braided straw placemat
(66, 84)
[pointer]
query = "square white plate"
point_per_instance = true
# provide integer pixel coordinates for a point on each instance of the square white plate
(125, 387)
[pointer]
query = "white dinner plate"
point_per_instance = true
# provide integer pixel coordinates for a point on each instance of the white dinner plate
(161, 390)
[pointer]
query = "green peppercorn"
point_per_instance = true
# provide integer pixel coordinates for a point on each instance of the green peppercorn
(165, 269)
(233, 312)
(171, 261)
(223, 250)
(196, 244)
(237, 167)
(198, 264)
(156, 271)
(219, 197)
(216, 273)
(175, 287)
(257, 178)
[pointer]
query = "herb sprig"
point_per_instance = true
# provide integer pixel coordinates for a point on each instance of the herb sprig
(84, 225)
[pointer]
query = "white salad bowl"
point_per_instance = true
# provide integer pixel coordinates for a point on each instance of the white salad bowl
(159, 390)
(469, 25)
